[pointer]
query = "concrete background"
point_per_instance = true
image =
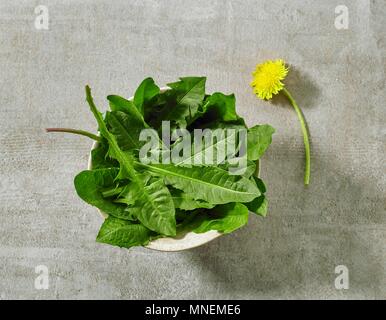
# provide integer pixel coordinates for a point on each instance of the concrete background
(337, 76)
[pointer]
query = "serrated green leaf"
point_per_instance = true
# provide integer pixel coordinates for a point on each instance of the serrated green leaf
(258, 206)
(146, 91)
(259, 183)
(154, 208)
(217, 148)
(220, 107)
(122, 233)
(183, 201)
(211, 184)
(259, 139)
(246, 172)
(89, 185)
(100, 158)
(189, 95)
(224, 218)
(118, 103)
(126, 129)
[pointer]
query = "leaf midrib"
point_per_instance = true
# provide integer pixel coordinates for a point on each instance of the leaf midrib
(194, 179)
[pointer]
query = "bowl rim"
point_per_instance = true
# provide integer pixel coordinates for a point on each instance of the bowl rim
(185, 240)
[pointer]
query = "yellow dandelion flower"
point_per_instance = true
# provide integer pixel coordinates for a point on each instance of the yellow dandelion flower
(267, 81)
(267, 78)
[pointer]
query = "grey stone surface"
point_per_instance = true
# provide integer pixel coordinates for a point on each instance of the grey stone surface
(337, 76)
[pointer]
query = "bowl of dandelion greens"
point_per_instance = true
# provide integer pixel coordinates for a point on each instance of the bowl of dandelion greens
(172, 168)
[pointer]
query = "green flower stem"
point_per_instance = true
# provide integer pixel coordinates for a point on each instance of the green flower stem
(75, 131)
(306, 139)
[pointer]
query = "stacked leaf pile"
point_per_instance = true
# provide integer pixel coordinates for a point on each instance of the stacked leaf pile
(147, 201)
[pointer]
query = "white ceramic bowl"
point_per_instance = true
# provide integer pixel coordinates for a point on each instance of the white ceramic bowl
(184, 240)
